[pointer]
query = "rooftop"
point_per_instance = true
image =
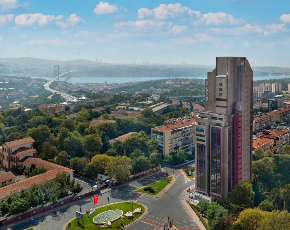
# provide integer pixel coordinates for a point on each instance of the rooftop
(175, 123)
(23, 141)
(6, 176)
(272, 134)
(23, 150)
(262, 117)
(280, 111)
(121, 138)
(258, 142)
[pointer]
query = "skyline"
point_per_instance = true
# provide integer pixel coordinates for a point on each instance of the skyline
(155, 31)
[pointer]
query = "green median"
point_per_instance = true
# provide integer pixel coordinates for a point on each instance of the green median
(159, 187)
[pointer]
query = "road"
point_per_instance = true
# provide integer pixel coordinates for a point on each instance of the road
(168, 205)
(66, 96)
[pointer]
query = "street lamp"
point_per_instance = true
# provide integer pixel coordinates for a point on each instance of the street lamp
(31, 218)
(80, 204)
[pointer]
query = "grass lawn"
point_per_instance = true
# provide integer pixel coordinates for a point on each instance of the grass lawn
(158, 185)
(87, 223)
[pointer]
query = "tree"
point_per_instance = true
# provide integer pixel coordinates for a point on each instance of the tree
(140, 164)
(266, 205)
(99, 162)
(37, 120)
(62, 158)
(93, 143)
(258, 154)
(251, 219)
(82, 127)
(69, 124)
(14, 136)
(181, 157)
(277, 122)
(91, 172)
(83, 116)
(61, 178)
(40, 133)
(47, 151)
(62, 135)
(268, 153)
(136, 141)
(119, 168)
(286, 149)
(154, 158)
(73, 145)
(276, 220)
(242, 195)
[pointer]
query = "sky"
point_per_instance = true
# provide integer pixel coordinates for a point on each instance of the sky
(129, 31)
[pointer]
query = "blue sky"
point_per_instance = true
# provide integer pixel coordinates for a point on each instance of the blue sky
(194, 31)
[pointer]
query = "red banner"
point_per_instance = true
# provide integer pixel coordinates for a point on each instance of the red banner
(188, 190)
(96, 199)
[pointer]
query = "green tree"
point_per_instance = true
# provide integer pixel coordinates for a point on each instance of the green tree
(62, 158)
(119, 168)
(251, 219)
(286, 149)
(69, 124)
(83, 116)
(258, 153)
(266, 205)
(154, 158)
(40, 133)
(82, 127)
(62, 135)
(37, 120)
(47, 151)
(92, 143)
(99, 162)
(14, 136)
(73, 146)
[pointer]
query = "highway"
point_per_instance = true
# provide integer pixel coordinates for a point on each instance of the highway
(66, 96)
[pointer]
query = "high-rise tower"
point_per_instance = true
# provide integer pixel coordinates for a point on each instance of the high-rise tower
(223, 134)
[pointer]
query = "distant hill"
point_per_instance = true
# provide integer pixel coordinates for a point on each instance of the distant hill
(36, 67)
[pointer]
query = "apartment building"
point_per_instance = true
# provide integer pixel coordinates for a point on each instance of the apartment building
(175, 134)
(280, 138)
(13, 152)
(277, 87)
(262, 121)
(223, 134)
(263, 143)
(281, 115)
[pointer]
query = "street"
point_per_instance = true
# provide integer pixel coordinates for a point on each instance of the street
(168, 205)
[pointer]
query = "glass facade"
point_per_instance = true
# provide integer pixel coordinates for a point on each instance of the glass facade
(200, 171)
(215, 164)
(230, 160)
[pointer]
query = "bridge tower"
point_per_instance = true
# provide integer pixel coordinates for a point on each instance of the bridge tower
(56, 71)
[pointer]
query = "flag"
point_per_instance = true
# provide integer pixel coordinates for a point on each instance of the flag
(259, 102)
(96, 199)
(188, 190)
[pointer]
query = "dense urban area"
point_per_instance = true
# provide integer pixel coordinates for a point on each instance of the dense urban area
(62, 141)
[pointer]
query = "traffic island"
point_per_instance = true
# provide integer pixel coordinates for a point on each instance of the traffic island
(109, 216)
(158, 188)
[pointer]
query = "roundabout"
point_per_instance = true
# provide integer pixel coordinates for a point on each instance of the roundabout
(113, 216)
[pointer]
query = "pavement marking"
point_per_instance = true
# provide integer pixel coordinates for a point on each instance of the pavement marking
(152, 223)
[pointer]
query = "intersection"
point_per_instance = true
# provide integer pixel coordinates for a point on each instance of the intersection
(167, 205)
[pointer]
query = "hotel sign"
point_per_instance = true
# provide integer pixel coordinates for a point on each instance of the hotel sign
(206, 90)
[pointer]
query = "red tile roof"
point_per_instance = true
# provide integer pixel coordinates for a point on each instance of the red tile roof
(44, 164)
(280, 111)
(6, 176)
(23, 150)
(258, 142)
(272, 134)
(121, 138)
(198, 107)
(262, 117)
(174, 124)
(27, 183)
(23, 141)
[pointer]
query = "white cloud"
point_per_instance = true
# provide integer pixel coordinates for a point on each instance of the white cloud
(7, 5)
(193, 39)
(55, 42)
(1, 38)
(184, 40)
(164, 11)
(178, 29)
(22, 35)
(70, 22)
(219, 18)
(6, 18)
(82, 34)
(285, 18)
(105, 8)
(38, 18)
(251, 29)
(143, 24)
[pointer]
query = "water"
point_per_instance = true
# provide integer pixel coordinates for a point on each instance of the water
(111, 80)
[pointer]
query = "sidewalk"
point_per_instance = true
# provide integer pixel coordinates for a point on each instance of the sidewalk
(193, 214)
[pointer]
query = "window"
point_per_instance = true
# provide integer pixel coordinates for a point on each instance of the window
(220, 94)
(220, 84)
(220, 89)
